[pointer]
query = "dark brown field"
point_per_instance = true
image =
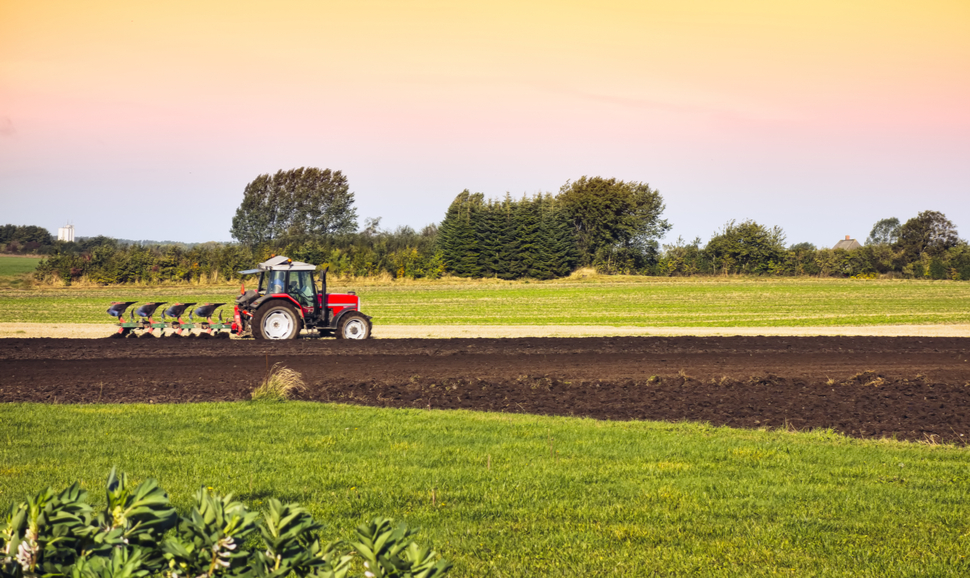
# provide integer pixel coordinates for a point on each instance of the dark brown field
(907, 387)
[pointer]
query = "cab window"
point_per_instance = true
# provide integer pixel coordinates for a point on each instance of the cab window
(301, 287)
(275, 282)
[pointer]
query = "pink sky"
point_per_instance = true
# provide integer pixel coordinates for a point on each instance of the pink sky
(146, 121)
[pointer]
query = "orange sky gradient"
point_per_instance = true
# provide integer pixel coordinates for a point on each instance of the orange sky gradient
(773, 110)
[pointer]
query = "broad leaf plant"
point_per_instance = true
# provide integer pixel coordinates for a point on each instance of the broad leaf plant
(139, 534)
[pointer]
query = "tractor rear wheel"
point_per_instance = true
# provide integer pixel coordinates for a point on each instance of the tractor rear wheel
(353, 326)
(277, 321)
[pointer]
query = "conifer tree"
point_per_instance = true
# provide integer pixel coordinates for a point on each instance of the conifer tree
(457, 235)
(528, 221)
(509, 241)
(558, 247)
(490, 239)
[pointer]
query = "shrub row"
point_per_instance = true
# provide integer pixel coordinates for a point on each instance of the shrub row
(107, 264)
(869, 260)
(528, 238)
(400, 254)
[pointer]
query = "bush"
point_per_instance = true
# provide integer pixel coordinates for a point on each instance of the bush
(747, 247)
(139, 534)
(278, 384)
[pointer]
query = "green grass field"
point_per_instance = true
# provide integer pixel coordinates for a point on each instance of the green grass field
(630, 301)
(519, 495)
(13, 266)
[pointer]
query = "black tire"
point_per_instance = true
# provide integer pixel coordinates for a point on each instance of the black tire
(276, 320)
(353, 325)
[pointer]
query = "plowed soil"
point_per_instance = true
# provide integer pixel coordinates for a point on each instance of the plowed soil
(906, 387)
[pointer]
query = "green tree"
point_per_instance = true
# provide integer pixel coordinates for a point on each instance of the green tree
(608, 214)
(884, 232)
(929, 232)
(25, 239)
(507, 257)
(746, 247)
(558, 245)
(492, 240)
(681, 258)
(458, 234)
(960, 261)
(292, 205)
(526, 221)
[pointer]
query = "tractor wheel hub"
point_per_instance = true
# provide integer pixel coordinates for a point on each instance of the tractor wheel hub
(277, 325)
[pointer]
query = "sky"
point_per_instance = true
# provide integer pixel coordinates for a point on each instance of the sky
(146, 120)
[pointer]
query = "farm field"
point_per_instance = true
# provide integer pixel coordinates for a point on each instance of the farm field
(910, 388)
(11, 266)
(601, 302)
(622, 456)
(523, 495)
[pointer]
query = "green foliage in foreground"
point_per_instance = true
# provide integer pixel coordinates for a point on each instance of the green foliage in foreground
(139, 534)
(13, 266)
(623, 301)
(518, 495)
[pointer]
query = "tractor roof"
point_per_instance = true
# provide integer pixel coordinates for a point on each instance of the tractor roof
(280, 263)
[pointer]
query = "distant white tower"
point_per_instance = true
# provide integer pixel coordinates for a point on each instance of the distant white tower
(66, 233)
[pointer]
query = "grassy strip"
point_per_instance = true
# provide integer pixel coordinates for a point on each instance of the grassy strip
(612, 301)
(69, 305)
(515, 495)
(11, 266)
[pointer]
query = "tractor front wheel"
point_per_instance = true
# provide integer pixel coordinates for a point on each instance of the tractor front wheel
(276, 322)
(353, 326)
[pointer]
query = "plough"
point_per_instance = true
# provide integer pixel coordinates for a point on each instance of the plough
(141, 321)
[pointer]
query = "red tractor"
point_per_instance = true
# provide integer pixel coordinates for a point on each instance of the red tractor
(287, 301)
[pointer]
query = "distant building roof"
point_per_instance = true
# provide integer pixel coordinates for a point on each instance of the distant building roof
(847, 244)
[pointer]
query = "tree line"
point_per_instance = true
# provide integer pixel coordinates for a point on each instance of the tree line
(612, 226)
(403, 253)
(924, 247)
(25, 239)
(591, 222)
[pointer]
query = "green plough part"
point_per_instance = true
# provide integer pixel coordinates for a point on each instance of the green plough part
(147, 326)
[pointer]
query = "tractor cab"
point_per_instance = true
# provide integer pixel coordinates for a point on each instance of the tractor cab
(299, 285)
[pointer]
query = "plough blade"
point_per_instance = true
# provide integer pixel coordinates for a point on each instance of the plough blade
(208, 326)
(207, 309)
(118, 309)
(176, 311)
(148, 309)
(146, 312)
